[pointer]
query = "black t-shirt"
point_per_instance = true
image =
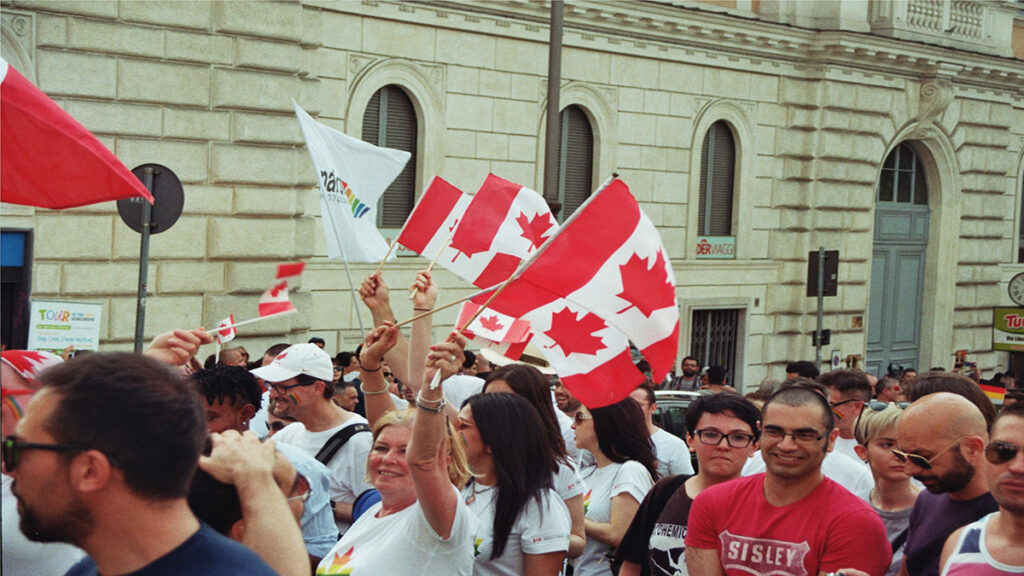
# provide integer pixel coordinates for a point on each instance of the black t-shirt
(205, 553)
(656, 538)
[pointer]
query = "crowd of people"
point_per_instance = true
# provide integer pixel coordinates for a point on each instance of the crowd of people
(409, 456)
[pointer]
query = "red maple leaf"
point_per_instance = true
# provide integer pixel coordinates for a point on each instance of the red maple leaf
(492, 323)
(648, 290)
(278, 287)
(535, 229)
(576, 334)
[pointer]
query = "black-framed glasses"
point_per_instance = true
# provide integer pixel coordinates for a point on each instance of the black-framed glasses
(999, 452)
(13, 446)
(282, 389)
(301, 490)
(805, 436)
(921, 461)
(712, 437)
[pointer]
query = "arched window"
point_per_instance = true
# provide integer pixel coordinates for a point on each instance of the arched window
(902, 179)
(390, 121)
(717, 175)
(575, 160)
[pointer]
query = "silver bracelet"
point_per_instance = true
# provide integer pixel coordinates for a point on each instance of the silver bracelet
(440, 404)
(372, 392)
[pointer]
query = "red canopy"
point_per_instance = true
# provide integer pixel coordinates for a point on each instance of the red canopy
(48, 159)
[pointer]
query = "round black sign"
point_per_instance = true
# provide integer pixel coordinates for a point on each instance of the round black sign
(168, 199)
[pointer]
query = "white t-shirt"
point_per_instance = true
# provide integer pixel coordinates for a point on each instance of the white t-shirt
(673, 454)
(459, 387)
(845, 447)
(403, 544)
(317, 523)
(539, 529)
(854, 476)
(605, 483)
(568, 482)
(348, 467)
(568, 434)
(21, 555)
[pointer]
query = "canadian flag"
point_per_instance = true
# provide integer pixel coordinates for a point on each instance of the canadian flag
(39, 140)
(275, 299)
(492, 327)
(226, 329)
(607, 260)
(432, 221)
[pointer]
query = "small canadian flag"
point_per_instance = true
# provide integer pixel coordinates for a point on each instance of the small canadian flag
(275, 299)
(506, 335)
(226, 330)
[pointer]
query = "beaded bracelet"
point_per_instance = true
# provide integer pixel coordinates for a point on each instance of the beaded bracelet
(373, 392)
(365, 369)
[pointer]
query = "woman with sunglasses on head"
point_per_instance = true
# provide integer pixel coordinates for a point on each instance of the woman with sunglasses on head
(623, 472)
(894, 494)
(528, 382)
(722, 432)
(421, 525)
(524, 524)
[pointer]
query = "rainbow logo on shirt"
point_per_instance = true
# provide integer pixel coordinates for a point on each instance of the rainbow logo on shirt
(337, 565)
(586, 502)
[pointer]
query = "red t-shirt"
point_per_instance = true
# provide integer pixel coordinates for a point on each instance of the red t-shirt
(827, 530)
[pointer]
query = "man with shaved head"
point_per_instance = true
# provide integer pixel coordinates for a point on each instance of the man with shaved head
(941, 442)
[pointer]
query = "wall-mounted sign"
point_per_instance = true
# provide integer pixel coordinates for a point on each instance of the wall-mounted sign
(1008, 329)
(56, 324)
(715, 248)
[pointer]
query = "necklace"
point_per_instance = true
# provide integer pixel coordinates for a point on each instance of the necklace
(475, 492)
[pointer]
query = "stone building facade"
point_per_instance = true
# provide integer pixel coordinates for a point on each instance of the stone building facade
(816, 97)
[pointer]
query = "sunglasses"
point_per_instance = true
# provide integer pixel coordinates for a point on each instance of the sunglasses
(877, 406)
(581, 417)
(921, 461)
(998, 452)
(14, 446)
(301, 490)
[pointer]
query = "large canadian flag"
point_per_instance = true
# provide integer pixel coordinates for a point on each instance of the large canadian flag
(275, 299)
(482, 238)
(48, 158)
(608, 261)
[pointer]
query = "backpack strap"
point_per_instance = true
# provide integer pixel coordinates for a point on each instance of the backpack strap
(331, 447)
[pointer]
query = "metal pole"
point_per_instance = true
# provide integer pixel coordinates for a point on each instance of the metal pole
(553, 136)
(348, 273)
(821, 302)
(140, 306)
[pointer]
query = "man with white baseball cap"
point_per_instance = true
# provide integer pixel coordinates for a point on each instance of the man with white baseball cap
(300, 381)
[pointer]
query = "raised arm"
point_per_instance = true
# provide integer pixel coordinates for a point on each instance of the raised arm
(178, 346)
(428, 450)
(376, 399)
(424, 296)
(377, 298)
(270, 528)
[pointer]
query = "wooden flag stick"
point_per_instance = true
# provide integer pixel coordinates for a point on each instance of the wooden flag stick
(391, 249)
(431, 311)
(251, 320)
(412, 291)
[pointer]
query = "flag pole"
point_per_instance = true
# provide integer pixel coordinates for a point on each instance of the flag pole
(451, 233)
(391, 248)
(251, 320)
(438, 309)
(348, 272)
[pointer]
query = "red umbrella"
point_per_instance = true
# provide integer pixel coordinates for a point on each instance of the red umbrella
(48, 159)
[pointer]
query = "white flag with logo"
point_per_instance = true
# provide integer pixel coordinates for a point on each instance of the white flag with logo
(352, 175)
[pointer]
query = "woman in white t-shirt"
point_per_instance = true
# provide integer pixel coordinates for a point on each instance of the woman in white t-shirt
(624, 471)
(524, 525)
(528, 383)
(421, 525)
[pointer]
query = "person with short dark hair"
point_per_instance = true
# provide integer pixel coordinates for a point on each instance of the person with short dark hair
(716, 380)
(802, 369)
(689, 379)
(848, 391)
(938, 381)
(722, 429)
(798, 520)
(672, 453)
(318, 341)
(103, 459)
(992, 545)
(230, 395)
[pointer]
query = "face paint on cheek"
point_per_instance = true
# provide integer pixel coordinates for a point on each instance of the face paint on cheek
(294, 399)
